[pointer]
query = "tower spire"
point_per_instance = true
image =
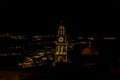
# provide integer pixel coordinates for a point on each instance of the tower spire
(61, 22)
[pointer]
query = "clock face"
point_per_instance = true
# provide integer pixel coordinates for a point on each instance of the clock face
(61, 39)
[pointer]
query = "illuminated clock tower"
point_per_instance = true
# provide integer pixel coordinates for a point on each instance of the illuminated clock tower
(61, 45)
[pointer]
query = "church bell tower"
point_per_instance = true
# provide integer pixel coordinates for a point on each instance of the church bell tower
(61, 45)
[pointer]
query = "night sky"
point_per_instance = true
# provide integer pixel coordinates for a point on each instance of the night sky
(115, 4)
(95, 23)
(39, 22)
(4, 4)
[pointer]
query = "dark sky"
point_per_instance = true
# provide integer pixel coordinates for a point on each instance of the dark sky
(3, 3)
(115, 4)
(74, 24)
(45, 23)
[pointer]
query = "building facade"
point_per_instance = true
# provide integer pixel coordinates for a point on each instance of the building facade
(61, 45)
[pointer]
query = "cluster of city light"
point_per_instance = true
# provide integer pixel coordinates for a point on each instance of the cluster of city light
(40, 37)
(10, 54)
(83, 42)
(15, 47)
(109, 38)
(12, 36)
(8, 35)
(93, 38)
(70, 45)
(37, 37)
(36, 60)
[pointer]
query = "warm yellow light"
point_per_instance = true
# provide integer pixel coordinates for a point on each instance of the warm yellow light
(109, 38)
(80, 38)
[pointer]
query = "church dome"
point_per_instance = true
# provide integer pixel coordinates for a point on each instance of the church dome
(89, 51)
